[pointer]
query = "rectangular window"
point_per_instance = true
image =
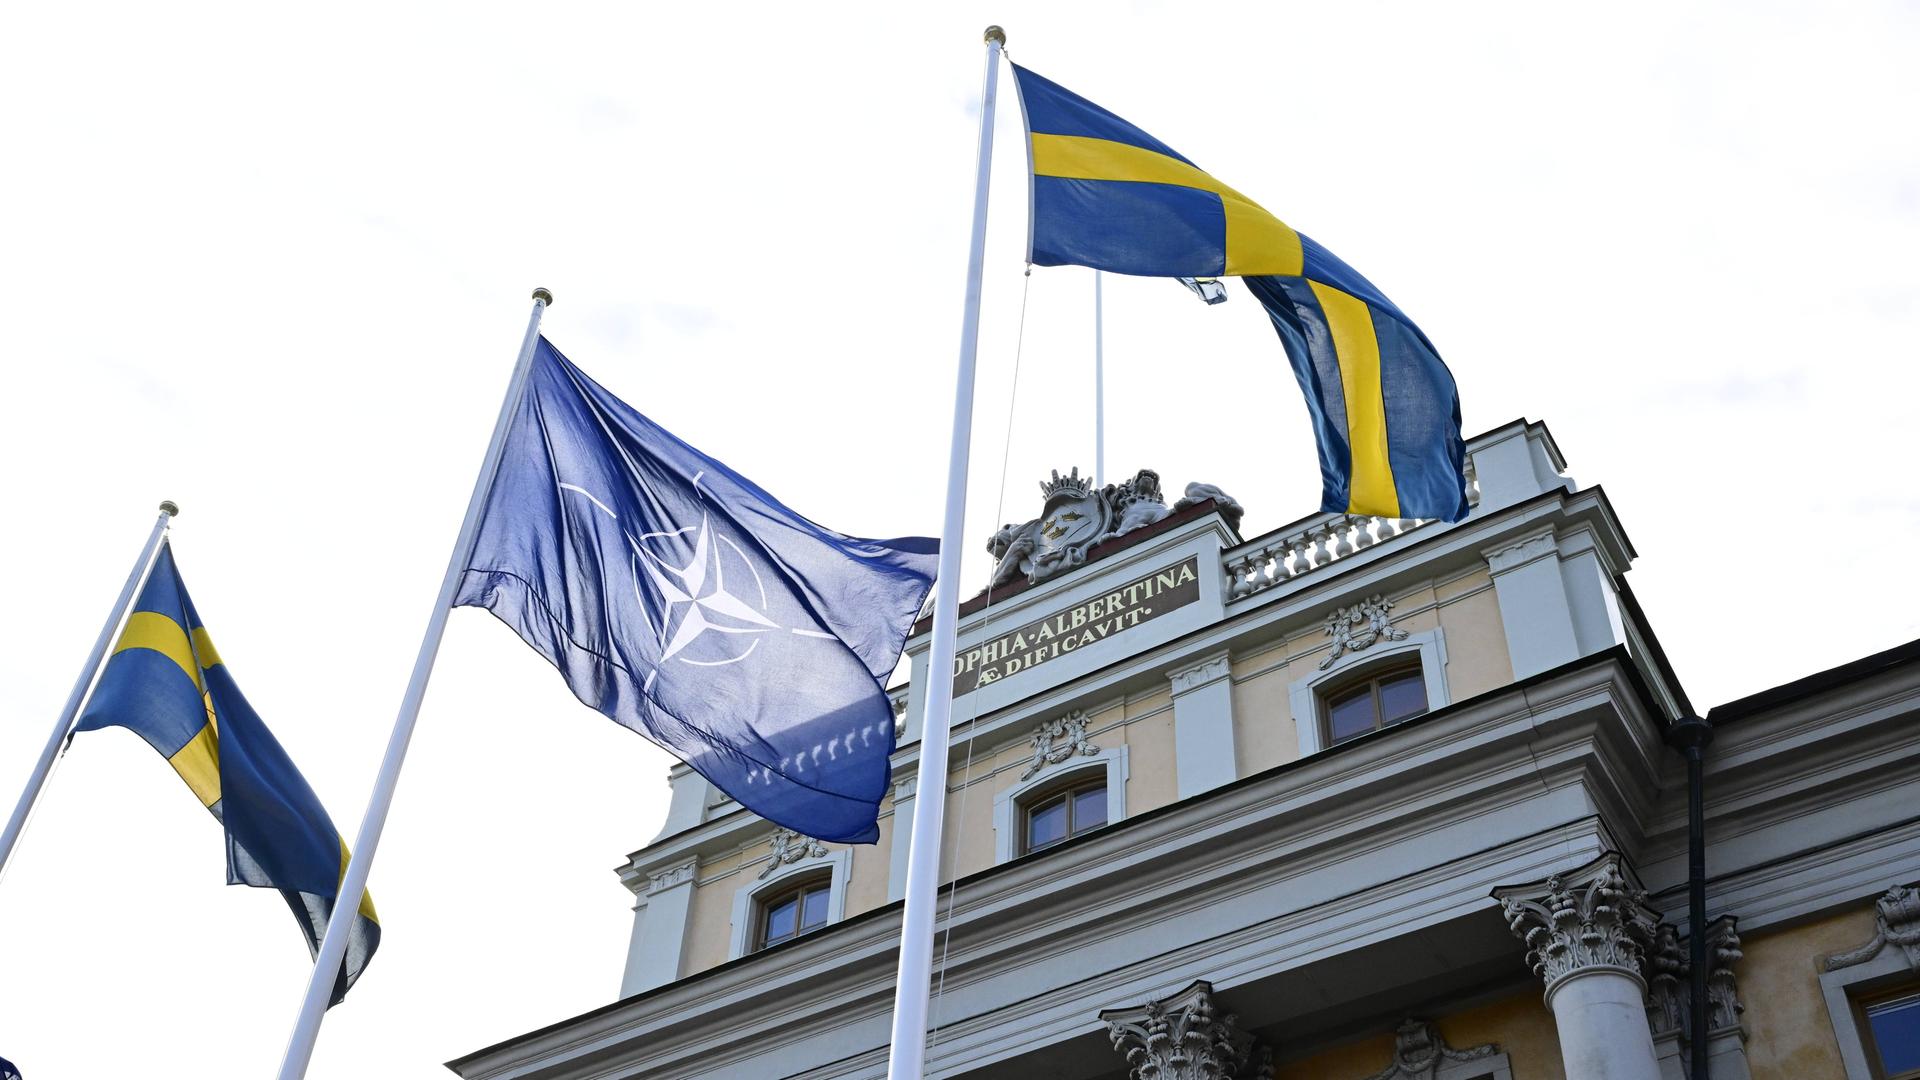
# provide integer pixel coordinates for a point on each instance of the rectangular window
(1894, 1030)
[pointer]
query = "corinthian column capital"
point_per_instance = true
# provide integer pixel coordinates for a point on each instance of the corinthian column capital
(1594, 919)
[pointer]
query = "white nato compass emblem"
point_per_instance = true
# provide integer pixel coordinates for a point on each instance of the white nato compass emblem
(712, 601)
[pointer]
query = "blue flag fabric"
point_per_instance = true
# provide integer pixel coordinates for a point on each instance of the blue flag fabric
(684, 602)
(1385, 412)
(167, 684)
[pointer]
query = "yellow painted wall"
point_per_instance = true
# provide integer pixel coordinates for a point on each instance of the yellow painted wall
(710, 915)
(1477, 659)
(867, 877)
(1151, 782)
(1790, 1036)
(1263, 723)
(1520, 1025)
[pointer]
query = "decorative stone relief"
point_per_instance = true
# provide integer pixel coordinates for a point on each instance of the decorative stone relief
(1074, 517)
(1419, 1051)
(1590, 919)
(1533, 547)
(1057, 740)
(1896, 922)
(899, 718)
(1670, 984)
(668, 878)
(1183, 1038)
(904, 787)
(790, 847)
(1192, 678)
(1357, 627)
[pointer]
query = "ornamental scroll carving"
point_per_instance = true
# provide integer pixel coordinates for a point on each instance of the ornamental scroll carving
(1419, 1051)
(1896, 920)
(1592, 918)
(790, 847)
(1057, 740)
(1185, 1038)
(1357, 627)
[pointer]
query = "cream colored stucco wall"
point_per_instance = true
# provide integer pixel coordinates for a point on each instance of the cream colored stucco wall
(1790, 1036)
(1519, 1025)
(710, 916)
(1263, 722)
(1477, 659)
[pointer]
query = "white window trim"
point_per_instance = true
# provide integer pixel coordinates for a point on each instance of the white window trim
(1886, 971)
(746, 899)
(1006, 805)
(1303, 695)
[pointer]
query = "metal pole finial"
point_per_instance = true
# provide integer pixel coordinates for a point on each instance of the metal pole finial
(995, 35)
(543, 296)
(169, 508)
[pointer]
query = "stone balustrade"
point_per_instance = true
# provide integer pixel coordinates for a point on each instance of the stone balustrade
(1280, 557)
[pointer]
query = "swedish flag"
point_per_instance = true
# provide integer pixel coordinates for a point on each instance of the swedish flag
(166, 683)
(1386, 414)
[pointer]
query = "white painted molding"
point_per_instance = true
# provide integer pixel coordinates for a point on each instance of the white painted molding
(1519, 553)
(838, 865)
(659, 937)
(671, 877)
(1303, 695)
(1006, 818)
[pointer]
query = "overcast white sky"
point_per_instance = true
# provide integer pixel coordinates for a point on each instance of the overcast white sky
(273, 263)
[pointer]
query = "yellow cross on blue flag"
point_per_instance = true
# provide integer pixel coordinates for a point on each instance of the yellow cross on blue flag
(166, 683)
(1386, 414)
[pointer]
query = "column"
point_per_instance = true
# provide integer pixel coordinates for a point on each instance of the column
(905, 783)
(659, 929)
(1587, 935)
(1203, 752)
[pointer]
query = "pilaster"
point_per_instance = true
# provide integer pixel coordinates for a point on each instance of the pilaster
(1203, 749)
(659, 928)
(1670, 997)
(1534, 609)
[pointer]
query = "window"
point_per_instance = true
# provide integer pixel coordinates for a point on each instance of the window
(1057, 814)
(1377, 699)
(1893, 1034)
(792, 911)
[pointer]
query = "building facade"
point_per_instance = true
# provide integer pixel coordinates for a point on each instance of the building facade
(1354, 799)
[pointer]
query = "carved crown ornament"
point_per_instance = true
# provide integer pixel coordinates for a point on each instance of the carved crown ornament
(1359, 626)
(1184, 1037)
(1058, 740)
(1896, 919)
(790, 847)
(1592, 919)
(1075, 516)
(1419, 1051)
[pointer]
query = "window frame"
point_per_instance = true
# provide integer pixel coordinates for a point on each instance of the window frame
(750, 900)
(1009, 819)
(1370, 677)
(796, 887)
(1848, 990)
(1069, 787)
(1307, 699)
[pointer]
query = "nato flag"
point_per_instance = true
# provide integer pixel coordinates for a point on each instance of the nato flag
(684, 602)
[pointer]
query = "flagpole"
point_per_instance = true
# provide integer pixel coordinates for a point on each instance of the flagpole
(907, 1056)
(333, 948)
(1099, 384)
(44, 767)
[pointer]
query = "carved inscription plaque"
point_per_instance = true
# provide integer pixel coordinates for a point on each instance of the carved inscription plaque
(1094, 620)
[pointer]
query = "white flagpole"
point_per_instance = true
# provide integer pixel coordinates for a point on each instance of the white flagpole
(911, 989)
(333, 947)
(1099, 384)
(44, 767)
